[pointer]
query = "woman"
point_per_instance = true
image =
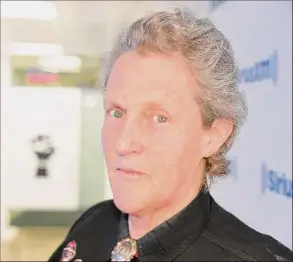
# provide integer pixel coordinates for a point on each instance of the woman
(172, 112)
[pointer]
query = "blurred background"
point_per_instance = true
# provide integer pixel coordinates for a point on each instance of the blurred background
(52, 167)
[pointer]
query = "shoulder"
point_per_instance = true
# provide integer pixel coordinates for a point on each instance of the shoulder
(99, 220)
(226, 230)
(102, 213)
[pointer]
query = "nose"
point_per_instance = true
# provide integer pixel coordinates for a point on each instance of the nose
(130, 140)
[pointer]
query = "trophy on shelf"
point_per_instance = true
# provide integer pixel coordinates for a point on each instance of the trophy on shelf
(43, 148)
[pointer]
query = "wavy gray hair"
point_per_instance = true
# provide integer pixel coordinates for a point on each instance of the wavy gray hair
(209, 54)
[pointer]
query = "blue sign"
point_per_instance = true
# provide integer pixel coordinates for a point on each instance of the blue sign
(265, 69)
(275, 182)
(214, 4)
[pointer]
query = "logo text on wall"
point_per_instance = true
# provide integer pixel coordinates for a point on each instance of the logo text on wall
(275, 182)
(214, 4)
(265, 69)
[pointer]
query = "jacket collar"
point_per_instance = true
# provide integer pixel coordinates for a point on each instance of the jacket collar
(172, 237)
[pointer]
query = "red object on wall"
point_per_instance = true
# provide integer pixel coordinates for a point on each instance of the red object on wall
(42, 78)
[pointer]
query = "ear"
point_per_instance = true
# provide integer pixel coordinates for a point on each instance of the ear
(217, 135)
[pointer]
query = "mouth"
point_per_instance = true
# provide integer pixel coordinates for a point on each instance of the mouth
(128, 171)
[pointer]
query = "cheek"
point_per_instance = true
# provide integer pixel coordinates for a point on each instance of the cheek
(165, 156)
(194, 145)
(108, 136)
(165, 149)
(177, 148)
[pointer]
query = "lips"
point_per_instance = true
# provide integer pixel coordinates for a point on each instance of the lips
(129, 171)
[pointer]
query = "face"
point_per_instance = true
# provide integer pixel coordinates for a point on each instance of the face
(153, 138)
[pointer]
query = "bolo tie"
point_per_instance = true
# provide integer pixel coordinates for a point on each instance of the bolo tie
(125, 250)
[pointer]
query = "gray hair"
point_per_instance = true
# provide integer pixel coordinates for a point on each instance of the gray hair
(209, 54)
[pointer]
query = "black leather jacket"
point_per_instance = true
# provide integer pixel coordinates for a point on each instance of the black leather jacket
(203, 231)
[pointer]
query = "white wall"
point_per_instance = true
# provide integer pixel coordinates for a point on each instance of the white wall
(6, 231)
(55, 112)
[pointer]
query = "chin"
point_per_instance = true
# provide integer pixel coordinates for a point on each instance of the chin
(127, 204)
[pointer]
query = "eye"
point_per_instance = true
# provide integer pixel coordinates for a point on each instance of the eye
(160, 119)
(115, 113)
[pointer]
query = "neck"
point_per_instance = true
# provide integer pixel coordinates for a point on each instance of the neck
(141, 224)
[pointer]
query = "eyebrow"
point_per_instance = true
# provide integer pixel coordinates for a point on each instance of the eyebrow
(116, 105)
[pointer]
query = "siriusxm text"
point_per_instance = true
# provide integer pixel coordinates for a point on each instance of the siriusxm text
(265, 69)
(275, 182)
